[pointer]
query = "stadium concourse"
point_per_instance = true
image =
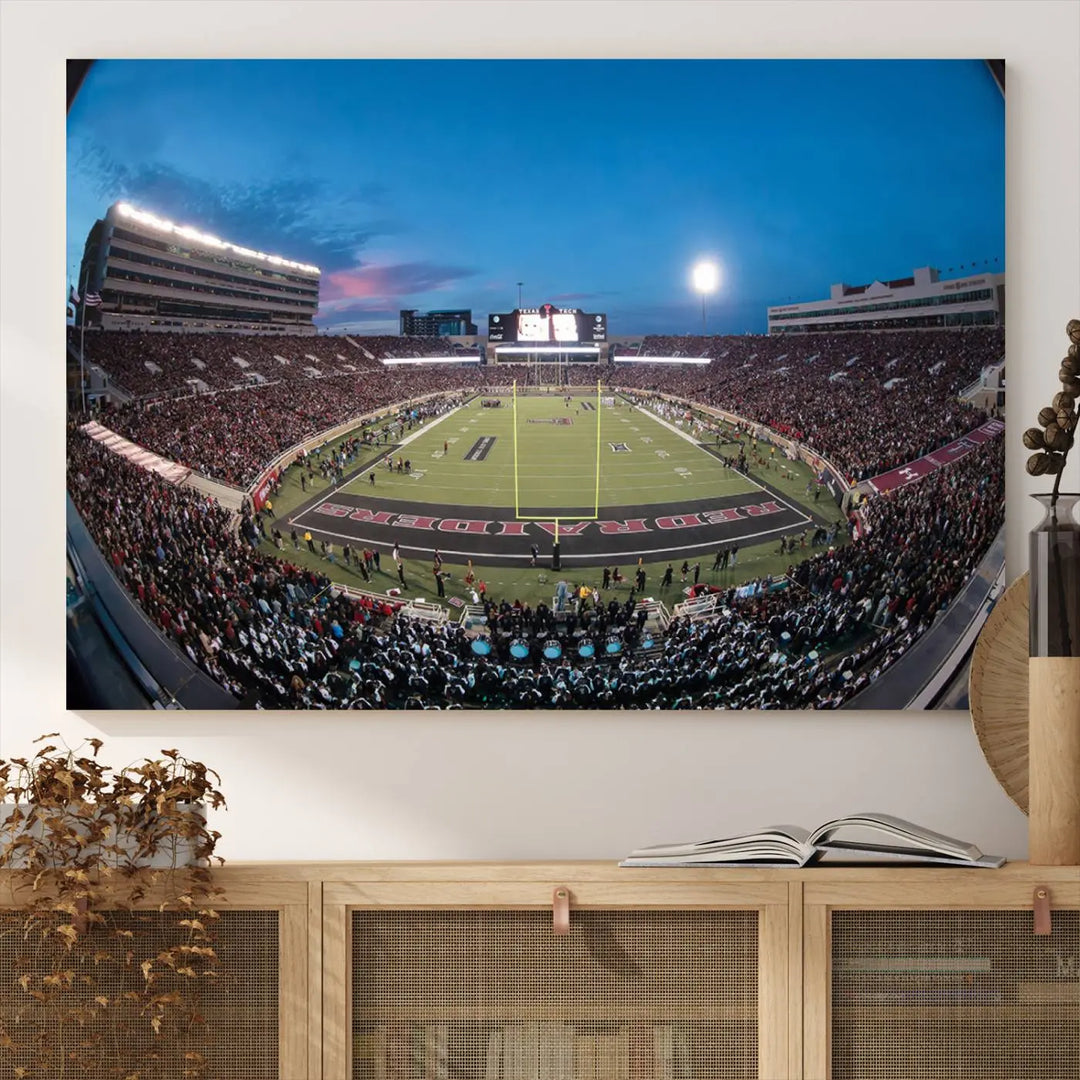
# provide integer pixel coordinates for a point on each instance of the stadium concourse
(277, 636)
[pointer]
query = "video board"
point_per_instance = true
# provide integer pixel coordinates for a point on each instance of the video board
(547, 324)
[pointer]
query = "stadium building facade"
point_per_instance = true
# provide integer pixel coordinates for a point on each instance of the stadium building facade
(153, 275)
(921, 301)
(456, 323)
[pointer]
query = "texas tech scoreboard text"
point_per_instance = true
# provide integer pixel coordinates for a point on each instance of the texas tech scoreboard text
(547, 323)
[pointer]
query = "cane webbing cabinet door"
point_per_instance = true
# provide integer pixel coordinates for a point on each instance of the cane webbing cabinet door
(926, 974)
(254, 1012)
(451, 972)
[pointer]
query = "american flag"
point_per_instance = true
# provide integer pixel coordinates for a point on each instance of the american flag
(74, 298)
(92, 299)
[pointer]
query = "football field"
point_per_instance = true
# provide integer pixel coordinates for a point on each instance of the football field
(556, 459)
(609, 483)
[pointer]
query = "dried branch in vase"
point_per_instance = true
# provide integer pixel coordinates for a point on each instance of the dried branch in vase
(1054, 605)
(1054, 439)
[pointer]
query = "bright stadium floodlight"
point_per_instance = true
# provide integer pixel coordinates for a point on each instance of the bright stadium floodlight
(706, 279)
(391, 361)
(188, 232)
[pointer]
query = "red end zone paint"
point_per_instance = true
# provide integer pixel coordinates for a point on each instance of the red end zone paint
(512, 528)
(763, 508)
(679, 521)
(619, 528)
(373, 517)
(717, 517)
(521, 528)
(415, 521)
(564, 530)
(463, 525)
(680, 526)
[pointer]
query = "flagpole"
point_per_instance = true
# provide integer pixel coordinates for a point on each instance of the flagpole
(82, 342)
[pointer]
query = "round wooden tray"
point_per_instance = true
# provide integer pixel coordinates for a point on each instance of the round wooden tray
(998, 691)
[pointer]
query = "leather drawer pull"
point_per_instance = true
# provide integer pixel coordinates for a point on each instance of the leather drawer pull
(1041, 908)
(560, 911)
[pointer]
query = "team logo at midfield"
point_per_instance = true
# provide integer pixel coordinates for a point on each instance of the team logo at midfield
(619, 447)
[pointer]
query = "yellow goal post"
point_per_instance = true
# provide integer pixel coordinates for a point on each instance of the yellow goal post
(517, 490)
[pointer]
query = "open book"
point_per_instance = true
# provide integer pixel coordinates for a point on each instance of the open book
(859, 838)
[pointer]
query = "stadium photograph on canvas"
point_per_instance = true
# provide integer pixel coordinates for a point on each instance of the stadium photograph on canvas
(533, 384)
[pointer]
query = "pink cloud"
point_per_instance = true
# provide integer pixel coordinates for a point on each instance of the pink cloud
(388, 282)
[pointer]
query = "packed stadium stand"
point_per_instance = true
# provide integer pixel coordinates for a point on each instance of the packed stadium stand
(153, 364)
(866, 401)
(276, 635)
(231, 436)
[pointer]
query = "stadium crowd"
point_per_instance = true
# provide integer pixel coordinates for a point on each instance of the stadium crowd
(231, 436)
(278, 636)
(208, 590)
(176, 359)
(867, 402)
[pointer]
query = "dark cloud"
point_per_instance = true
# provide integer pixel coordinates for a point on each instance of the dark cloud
(349, 315)
(299, 218)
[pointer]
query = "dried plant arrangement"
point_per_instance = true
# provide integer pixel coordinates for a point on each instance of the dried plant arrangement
(107, 915)
(1055, 544)
(1053, 440)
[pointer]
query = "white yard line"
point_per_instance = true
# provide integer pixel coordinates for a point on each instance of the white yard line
(592, 555)
(423, 430)
(696, 444)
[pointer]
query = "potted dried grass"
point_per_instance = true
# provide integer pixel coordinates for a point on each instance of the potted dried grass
(107, 915)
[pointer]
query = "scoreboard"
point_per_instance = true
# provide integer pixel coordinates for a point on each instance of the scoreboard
(547, 324)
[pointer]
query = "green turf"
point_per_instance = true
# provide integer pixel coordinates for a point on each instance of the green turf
(626, 479)
(292, 494)
(533, 585)
(556, 463)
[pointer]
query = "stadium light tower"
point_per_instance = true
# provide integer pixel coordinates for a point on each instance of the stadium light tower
(706, 279)
(519, 284)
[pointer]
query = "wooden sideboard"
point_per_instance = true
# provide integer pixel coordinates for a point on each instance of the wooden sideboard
(418, 971)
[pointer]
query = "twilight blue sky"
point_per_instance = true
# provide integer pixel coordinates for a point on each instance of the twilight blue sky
(434, 184)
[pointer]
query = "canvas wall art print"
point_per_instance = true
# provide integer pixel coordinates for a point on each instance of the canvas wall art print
(532, 384)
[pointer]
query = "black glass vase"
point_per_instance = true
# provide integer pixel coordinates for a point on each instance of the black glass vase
(1055, 579)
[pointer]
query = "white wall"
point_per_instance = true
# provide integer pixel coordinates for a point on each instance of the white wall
(312, 786)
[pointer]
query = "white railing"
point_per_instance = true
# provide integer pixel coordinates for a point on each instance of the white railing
(358, 594)
(473, 617)
(701, 607)
(658, 613)
(983, 381)
(425, 609)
